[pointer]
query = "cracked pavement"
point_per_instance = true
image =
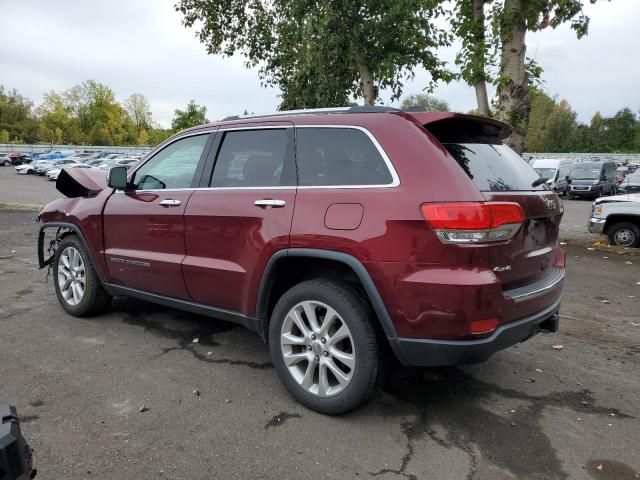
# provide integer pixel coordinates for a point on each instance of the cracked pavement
(530, 412)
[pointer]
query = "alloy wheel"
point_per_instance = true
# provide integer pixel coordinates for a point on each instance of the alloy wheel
(71, 276)
(318, 348)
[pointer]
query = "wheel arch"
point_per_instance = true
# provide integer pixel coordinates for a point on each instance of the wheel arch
(276, 267)
(616, 218)
(70, 229)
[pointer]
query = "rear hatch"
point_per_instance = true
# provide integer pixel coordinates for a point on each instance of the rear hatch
(503, 176)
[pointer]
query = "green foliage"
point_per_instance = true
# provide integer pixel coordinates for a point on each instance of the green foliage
(429, 102)
(16, 116)
(139, 109)
(322, 53)
(553, 128)
(192, 116)
(85, 114)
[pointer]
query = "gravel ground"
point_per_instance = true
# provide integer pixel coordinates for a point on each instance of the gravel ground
(217, 411)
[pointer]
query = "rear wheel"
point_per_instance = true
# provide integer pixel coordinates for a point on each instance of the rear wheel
(324, 346)
(6, 163)
(77, 285)
(624, 235)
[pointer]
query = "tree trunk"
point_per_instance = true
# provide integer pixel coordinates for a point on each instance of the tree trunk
(368, 88)
(482, 98)
(480, 84)
(514, 104)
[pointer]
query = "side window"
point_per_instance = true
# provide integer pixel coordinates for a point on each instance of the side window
(253, 158)
(172, 167)
(339, 156)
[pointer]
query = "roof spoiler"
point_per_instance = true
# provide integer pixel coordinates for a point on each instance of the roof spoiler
(450, 127)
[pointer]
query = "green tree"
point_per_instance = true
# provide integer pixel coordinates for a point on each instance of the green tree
(429, 102)
(192, 116)
(541, 107)
(598, 134)
(139, 109)
(16, 116)
(320, 53)
(561, 128)
(493, 37)
(621, 130)
(468, 21)
(4, 136)
(511, 21)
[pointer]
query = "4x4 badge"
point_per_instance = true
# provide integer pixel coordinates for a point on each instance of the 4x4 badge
(505, 268)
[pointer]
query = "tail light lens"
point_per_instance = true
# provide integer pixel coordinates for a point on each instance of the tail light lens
(474, 222)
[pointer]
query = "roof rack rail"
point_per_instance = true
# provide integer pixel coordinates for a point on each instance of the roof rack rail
(283, 113)
(372, 109)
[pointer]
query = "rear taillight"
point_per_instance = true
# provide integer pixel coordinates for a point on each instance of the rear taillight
(474, 222)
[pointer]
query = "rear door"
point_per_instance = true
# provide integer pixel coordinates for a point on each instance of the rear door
(503, 176)
(144, 226)
(241, 215)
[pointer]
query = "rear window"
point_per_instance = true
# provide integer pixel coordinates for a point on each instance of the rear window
(494, 168)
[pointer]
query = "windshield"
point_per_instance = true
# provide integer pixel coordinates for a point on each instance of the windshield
(586, 172)
(494, 168)
(548, 173)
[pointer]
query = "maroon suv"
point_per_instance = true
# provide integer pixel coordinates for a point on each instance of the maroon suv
(336, 235)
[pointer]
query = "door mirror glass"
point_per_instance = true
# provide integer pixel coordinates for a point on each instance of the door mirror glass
(117, 178)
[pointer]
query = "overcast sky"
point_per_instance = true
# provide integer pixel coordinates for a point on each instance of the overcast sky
(140, 46)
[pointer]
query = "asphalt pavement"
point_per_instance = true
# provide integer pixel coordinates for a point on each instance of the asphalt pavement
(148, 392)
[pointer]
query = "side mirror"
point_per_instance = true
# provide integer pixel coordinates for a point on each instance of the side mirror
(117, 178)
(567, 178)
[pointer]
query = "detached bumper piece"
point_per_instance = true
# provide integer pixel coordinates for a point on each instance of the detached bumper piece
(16, 457)
(431, 353)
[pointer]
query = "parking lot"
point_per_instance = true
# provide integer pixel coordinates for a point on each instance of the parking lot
(560, 406)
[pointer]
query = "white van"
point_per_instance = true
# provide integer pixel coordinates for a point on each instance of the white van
(556, 170)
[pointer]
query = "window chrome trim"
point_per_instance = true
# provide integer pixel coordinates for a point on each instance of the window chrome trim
(395, 179)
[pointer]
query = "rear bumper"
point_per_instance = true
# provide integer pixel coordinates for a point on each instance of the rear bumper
(430, 353)
(596, 225)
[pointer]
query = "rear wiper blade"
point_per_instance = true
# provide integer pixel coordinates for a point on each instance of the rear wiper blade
(540, 181)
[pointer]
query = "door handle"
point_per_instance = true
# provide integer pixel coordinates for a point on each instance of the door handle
(169, 202)
(268, 202)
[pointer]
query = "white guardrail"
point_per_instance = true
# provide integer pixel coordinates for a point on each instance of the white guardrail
(616, 157)
(46, 147)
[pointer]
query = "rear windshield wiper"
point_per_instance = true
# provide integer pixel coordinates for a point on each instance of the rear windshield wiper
(540, 181)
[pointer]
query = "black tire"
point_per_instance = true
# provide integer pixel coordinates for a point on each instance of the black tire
(354, 311)
(94, 299)
(619, 232)
(6, 163)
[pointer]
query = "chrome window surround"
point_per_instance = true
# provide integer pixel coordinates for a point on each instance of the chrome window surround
(394, 175)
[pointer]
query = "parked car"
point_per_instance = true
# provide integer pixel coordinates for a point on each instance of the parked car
(555, 170)
(55, 172)
(631, 183)
(420, 234)
(42, 169)
(26, 168)
(14, 158)
(593, 179)
(617, 217)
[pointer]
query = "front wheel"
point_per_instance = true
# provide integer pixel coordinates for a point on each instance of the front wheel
(324, 346)
(6, 163)
(624, 234)
(76, 282)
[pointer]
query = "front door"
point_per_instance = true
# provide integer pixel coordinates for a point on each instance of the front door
(144, 225)
(241, 217)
